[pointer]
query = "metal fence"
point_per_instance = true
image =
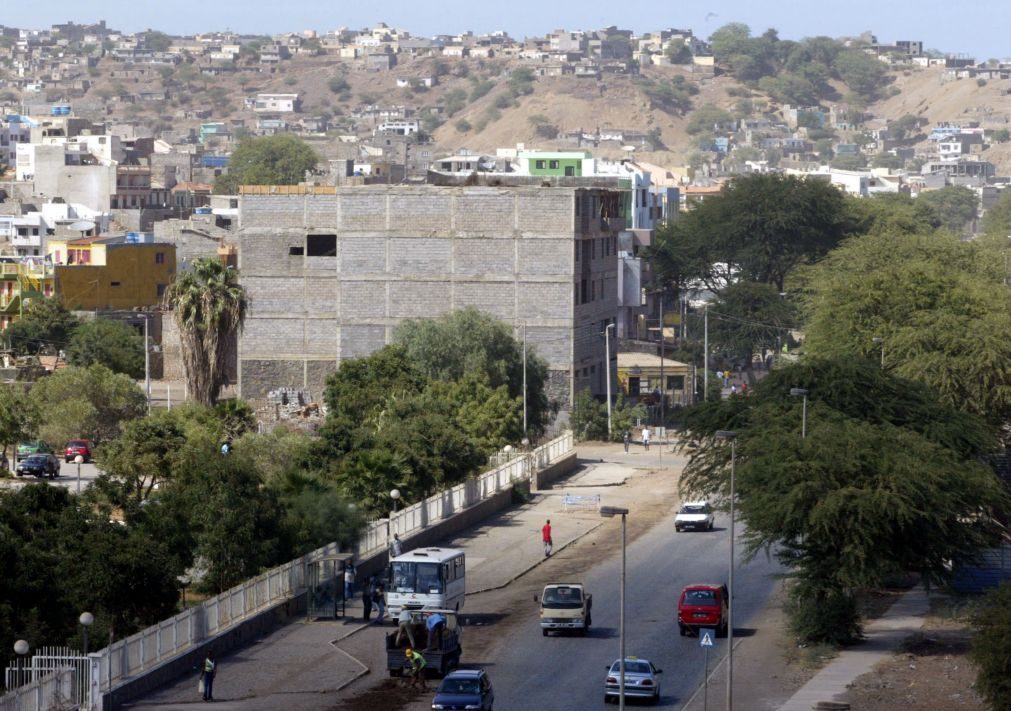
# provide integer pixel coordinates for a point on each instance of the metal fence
(143, 651)
(57, 689)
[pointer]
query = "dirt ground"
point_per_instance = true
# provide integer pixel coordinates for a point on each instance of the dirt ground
(931, 671)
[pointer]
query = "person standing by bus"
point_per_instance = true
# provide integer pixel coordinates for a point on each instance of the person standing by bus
(546, 538)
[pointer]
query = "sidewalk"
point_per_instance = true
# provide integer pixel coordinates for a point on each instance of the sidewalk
(300, 666)
(883, 637)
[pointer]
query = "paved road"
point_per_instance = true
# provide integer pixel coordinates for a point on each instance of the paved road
(559, 673)
(68, 477)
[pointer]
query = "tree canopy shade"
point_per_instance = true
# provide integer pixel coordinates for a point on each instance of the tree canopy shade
(113, 344)
(209, 307)
(991, 647)
(937, 306)
(882, 461)
(268, 160)
(956, 206)
(759, 229)
(997, 220)
(748, 317)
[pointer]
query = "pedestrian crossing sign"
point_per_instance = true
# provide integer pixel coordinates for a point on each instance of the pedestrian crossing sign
(706, 637)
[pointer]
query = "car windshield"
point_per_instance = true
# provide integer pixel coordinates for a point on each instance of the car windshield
(692, 510)
(563, 598)
(632, 666)
(700, 597)
(416, 577)
(77, 443)
(35, 458)
(460, 686)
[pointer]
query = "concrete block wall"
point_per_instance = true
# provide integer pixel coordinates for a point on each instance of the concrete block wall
(406, 252)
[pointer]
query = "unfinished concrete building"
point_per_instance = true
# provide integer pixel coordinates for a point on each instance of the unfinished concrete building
(331, 271)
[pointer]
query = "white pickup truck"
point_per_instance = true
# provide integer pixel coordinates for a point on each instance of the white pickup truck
(565, 607)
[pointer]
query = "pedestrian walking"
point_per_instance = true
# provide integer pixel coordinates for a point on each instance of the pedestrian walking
(744, 388)
(207, 676)
(349, 580)
(626, 438)
(404, 627)
(418, 663)
(396, 548)
(546, 538)
(379, 598)
(733, 389)
(645, 438)
(366, 602)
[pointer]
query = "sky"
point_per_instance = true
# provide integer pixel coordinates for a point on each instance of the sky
(977, 28)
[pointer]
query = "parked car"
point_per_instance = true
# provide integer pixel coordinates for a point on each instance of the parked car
(39, 465)
(696, 515)
(77, 447)
(703, 605)
(34, 446)
(640, 680)
(464, 689)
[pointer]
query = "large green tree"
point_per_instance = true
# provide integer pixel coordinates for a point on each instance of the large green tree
(45, 326)
(268, 160)
(467, 342)
(882, 460)
(956, 206)
(936, 305)
(209, 307)
(90, 402)
(760, 228)
(748, 317)
(113, 344)
(18, 416)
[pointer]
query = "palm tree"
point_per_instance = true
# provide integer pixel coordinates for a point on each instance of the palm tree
(209, 308)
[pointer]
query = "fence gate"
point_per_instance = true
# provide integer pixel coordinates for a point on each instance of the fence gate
(49, 660)
(325, 580)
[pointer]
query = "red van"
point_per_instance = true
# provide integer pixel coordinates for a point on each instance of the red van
(703, 605)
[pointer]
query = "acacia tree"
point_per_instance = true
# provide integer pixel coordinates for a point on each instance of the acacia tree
(267, 160)
(209, 307)
(882, 460)
(936, 305)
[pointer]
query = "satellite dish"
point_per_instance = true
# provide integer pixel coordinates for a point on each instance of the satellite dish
(83, 226)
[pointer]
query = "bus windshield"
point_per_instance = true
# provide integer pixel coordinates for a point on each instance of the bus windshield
(417, 577)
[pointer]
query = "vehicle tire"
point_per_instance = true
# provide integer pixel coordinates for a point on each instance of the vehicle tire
(655, 699)
(66, 460)
(677, 529)
(581, 632)
(544, 632)
(396, 672)
(710, 527)
(681, 629)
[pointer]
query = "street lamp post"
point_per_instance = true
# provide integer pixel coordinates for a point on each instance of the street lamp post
(21, 649)
(78, 460)
(801, 392)
(611, 512)
(87, 620)
(881, 342)
(607, 370)
(732, 436)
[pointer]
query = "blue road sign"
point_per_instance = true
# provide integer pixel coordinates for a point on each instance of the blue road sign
(706, 637)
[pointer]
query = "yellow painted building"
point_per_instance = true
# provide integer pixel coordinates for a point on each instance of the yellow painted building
(640, 381)
(119, 272)
(21, 281)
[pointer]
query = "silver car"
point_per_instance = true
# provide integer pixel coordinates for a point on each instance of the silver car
(696, 515)
(640, 680)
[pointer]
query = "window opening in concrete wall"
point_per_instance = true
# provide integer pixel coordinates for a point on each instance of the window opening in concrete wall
(321, 245)
(296, 251)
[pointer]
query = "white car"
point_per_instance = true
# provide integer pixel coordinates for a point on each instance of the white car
(696, 515)
(640, 681)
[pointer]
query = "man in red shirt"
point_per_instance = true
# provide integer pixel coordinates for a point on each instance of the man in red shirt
(546, 538)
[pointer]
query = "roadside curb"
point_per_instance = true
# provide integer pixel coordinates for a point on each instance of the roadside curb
(364, 667)
(523, 572)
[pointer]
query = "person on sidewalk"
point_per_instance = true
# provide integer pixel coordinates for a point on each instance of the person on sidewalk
(366, 602)
(436, 625)
(626, 438)
(404, 627)
(379, 598)
(645, 438)
(349, 581)
(396, 548)
(546, 538)
(417, 668)
(208, 672)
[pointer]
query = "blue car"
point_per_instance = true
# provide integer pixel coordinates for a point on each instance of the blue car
(464, 689)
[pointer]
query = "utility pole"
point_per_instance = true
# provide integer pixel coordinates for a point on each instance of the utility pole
(663, 383)
(524, 379)
(147, 363)
(705, 357)
(607, 371)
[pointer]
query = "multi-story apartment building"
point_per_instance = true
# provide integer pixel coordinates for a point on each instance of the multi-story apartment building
(331, 271)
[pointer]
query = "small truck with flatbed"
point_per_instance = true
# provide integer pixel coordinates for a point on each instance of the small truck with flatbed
(441, 655)
(565, 607)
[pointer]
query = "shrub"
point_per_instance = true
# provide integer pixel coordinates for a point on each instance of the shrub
(991, 647)
(828, 616)
(463, 125)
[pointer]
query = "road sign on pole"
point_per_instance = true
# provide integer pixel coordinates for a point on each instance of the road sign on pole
(706, 637)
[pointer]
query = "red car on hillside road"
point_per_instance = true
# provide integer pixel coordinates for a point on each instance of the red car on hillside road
(703, 605)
